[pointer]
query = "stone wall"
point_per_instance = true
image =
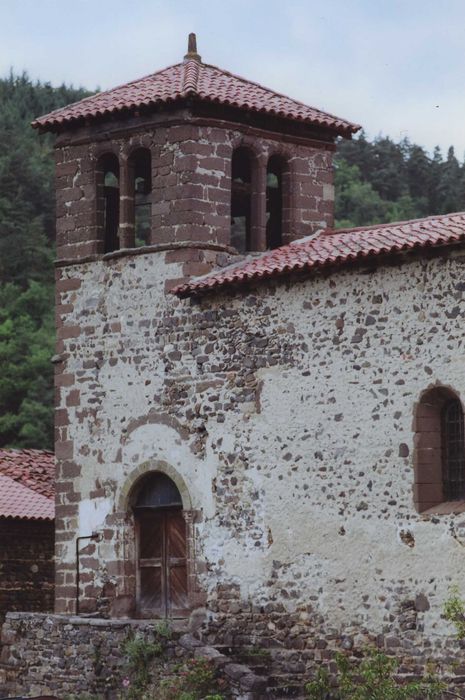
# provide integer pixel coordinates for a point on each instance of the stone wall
(297, 640)
(27, 566)
(285, 415)
(75, 657)
(49, 654)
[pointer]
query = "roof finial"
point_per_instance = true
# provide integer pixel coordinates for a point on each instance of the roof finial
(192, 54)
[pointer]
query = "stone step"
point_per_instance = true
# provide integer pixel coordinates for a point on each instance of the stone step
(284, 687)
(246, 656)
(278, 686)
(226, 649)
(283, 694)
(259, 666)
(258, 669)
(179, 625)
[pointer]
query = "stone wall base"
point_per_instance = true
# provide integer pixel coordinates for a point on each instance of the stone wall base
(67, 656)
(295, 642)
(76, 657)
(260, 654)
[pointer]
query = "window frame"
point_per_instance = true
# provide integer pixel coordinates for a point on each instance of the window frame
(433, 492)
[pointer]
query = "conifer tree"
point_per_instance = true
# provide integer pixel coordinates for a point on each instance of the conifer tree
(27, 232)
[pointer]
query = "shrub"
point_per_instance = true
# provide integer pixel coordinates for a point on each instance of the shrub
(454, 611)
(373, 678)
(193, 680)
(140, 653)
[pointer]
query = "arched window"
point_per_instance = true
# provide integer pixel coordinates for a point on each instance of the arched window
(439, 461)
(162, 582)
(107, 178)
(140, 164)
(453, 453)
(241, 198)
(274, 203)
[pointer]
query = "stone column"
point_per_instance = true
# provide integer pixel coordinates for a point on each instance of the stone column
(191, 582)
(288, 204)
(258, 204)
(126, 205)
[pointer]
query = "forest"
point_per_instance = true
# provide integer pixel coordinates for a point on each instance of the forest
(376, 181)
(27, 232)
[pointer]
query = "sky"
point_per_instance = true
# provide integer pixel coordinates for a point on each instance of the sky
(397, 67)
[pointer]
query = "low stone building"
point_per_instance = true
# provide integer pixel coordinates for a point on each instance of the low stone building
(27, 492)
(259, 418)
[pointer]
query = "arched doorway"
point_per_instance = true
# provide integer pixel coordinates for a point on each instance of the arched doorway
(161, 548)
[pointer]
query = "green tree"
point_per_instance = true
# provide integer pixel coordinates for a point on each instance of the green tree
(27, 232)
(419, 178)
(388, 176)
(26, 346)
(408, 181)
(357, 203)
(449, 186)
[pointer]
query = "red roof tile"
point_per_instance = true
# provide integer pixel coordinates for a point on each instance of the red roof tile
(32, 468)
(18, 501)
(193, 79)
(335, 248)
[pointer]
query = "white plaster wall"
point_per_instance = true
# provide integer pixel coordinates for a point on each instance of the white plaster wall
(320, 494)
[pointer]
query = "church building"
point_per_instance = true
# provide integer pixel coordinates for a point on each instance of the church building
(259, 418)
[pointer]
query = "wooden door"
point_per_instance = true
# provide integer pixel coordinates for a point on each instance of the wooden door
(162, 565)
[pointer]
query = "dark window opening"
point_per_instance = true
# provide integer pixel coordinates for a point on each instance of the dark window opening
(241, 195)
(142, 174)
(109, 201)
(158, 491)
(274, 203)
(453, 452)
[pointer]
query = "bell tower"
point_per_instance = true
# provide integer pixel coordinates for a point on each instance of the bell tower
(190, 156)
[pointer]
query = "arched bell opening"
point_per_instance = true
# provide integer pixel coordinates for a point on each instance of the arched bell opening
(277, 201)
(140, 167)
(241, 199)
(161, 548)
(108, 201)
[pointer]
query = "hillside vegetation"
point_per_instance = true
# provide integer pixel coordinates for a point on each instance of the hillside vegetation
(376, 181)
(382, 181)
(26, 262)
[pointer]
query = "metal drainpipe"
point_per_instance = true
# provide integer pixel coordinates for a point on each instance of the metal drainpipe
(94, 536)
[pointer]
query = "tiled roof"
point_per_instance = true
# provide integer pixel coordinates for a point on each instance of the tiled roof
(335, 248)
(193, 79)
(18, 501)
(32, 468)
